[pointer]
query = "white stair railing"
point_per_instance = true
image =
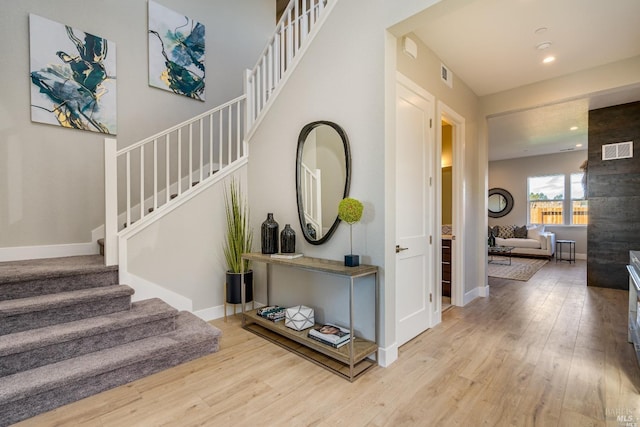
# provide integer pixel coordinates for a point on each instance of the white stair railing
(180, 158)
(172, 162)
(298, 21)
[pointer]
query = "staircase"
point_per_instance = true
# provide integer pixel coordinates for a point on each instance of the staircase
(68, 331)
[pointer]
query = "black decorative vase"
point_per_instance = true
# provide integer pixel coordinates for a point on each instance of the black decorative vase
(288, 240)
(234, 287)
(269, 235)
(352, 260)
(492, 240)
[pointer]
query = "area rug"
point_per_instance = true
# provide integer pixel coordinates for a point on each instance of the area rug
(520, 268)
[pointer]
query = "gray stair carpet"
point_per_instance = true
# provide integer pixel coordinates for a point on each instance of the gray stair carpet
(68, 331)
(30, 349)
(21, 279)
(21, 314)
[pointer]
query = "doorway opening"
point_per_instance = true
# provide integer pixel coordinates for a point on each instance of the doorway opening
(450, 146)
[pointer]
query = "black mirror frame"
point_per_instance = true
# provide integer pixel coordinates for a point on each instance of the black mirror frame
(509, 202)
(306, 130)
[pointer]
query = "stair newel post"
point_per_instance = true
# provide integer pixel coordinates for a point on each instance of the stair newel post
(110, 201)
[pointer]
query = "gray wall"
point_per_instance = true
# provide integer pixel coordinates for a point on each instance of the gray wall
(52, 190)
(614, 199)
(512, 175)
(340, 79)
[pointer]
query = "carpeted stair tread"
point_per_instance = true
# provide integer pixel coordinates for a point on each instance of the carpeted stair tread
(31, 392)
(36, 312)
(14, 271)
(21, 279)
(61, 299)
(30, 349)
(141, 312)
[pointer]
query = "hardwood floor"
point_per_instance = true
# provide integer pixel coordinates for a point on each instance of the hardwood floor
(547, 352)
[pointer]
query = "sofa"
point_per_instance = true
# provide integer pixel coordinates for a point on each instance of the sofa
(530, 240)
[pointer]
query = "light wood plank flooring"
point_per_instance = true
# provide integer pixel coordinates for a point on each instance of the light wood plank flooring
(548, 352)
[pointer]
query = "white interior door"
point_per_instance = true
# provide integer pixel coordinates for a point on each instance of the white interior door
(415, 209)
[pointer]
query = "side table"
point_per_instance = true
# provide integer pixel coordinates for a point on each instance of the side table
(572, 250)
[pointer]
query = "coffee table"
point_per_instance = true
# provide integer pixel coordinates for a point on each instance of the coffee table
(502, 252)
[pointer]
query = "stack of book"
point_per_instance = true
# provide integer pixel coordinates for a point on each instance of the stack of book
(330, 334)
(272, 312)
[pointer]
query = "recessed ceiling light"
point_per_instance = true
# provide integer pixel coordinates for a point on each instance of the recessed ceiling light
(549, 59)
(540, 30)
(578, 145)
(573, 128)
(543, 45)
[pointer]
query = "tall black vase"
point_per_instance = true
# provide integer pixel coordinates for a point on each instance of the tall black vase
(269, 235)
(288, 240)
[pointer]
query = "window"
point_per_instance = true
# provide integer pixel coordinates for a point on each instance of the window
(579, 204)
(548, 204)
(546, 199)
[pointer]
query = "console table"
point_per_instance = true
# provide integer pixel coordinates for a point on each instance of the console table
(349, 361)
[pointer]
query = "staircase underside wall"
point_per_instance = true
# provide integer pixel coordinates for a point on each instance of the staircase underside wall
(182, 252)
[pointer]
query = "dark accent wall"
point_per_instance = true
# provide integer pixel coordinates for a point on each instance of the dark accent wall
(613, 187)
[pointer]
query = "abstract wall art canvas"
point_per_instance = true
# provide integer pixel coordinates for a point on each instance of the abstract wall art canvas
(73, 77)
(176, 52)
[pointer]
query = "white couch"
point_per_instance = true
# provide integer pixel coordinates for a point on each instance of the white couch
(538, 243)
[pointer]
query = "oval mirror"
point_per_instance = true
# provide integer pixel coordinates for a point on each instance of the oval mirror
(500, 202)
(323, 171)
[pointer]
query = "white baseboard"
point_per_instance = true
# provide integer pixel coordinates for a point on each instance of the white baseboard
(217, 312)
(386, 356)
(20, 253)
(145, 289)
(480, 291)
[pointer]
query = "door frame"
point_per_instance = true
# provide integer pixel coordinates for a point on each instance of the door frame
(443, 111)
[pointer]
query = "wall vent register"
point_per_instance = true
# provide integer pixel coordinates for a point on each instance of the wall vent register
(621, 150)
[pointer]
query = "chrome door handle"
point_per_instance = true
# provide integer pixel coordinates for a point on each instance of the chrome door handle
(399, 249)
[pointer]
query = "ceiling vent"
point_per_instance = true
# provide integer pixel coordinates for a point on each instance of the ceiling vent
(621, 150)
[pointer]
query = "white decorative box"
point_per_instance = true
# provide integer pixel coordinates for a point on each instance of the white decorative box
(299, 317)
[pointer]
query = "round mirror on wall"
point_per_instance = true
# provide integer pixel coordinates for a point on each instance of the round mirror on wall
(323, 171)
(500, 202)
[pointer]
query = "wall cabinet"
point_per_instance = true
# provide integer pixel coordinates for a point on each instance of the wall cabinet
(349, 361)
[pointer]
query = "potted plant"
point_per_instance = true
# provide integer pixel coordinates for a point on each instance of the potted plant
(239, 238)
(350, 211)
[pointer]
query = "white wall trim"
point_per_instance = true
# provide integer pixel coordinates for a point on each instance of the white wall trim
(19, 253)
(217, 312)
(386, 356)
(480, 291)
(145, 289)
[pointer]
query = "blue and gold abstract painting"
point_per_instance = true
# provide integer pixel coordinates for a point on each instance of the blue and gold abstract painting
(176, 52)
(73, 76)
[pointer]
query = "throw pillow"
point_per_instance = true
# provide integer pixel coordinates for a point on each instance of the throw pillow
(506, 231)
(520, 232)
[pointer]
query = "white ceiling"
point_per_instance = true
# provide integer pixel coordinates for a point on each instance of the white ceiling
(491, 46)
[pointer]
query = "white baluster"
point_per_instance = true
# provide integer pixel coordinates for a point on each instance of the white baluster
(142, 182)
(167, 149)
(155, 174)
(179, 161)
